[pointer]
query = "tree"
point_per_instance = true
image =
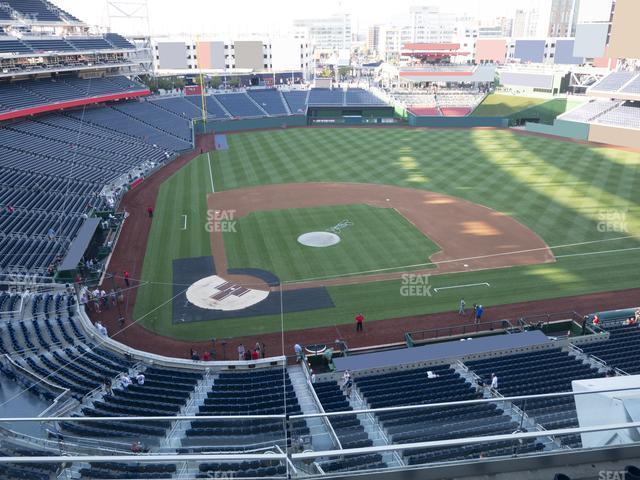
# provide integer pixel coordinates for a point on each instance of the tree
(215, 82)
(344, 71)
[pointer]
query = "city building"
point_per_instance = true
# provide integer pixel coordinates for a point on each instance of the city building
(329, 34)
(563, 17)
(228, 56)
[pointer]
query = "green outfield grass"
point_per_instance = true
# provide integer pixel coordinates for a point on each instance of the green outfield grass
(566, 192)
(380, 238)
(499, 105)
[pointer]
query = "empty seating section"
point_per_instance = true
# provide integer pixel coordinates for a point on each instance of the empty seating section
(95, 43)
(359, 96)
(5, 14)
(118, 41)
(214, 110)
(627, 115)
(48, 45)
(450, 103)
(14, 96)
(297, 101)
(156, 117)
(614, 81)
(348, 428)
(34, 93)
(27, 471)
(620, 350)
(532, 373)
(414, 387)
(10, 45)
(589, 111)
(180, 106)
(416, 99)
(633, 86)
(270, 100)
(37, 10)
(164, 393)
(123, 120)
(52, 171)
(265, 392)
(239, 105)
(326, 96)
(111, 41)
(113, 471)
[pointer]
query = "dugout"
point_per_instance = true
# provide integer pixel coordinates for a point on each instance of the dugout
(350, 115)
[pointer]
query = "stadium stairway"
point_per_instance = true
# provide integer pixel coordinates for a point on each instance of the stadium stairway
(284, 102)
(178, 431)
(321, 437)
(374, 429)
(258, 105)
(517, 415)
(222, 107)
(580, 355)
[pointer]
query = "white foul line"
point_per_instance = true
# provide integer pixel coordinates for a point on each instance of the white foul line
(210, 172)
(184, 217)
(462, 286)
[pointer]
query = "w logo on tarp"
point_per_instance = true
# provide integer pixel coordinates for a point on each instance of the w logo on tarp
(338, 227)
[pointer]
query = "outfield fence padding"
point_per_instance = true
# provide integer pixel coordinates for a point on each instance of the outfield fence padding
(458, 122)
(244, 124)
(561, 128)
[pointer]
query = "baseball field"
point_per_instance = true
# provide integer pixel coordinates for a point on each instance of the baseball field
(492, 216)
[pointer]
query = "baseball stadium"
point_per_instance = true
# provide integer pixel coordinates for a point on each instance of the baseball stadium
(431, 274)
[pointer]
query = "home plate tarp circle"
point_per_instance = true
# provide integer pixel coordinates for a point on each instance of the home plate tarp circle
(318, 239)
(216, 293)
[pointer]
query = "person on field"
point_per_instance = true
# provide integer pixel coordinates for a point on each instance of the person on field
(298, 349)
(479, 312)
(359, 322)
(126, 278)
(241, 352)
(206, 356)
(255, 355)
(150, 212)
(461, 307)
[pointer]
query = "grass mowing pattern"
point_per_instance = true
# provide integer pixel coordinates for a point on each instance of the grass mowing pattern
(566, 192)
(499, 105)
(380, 238)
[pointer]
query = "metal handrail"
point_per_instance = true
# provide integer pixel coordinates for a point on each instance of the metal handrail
(311, 455)
(332, 432)
(381, 431)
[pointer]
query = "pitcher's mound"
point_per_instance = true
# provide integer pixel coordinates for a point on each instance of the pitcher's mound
(215, 293)
(318, 239)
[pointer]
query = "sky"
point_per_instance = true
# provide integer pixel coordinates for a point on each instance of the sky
(257, 16)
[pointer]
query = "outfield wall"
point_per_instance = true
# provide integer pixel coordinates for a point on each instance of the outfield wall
(624, 137)
(244, 124)
(458, 122)
(561, 128)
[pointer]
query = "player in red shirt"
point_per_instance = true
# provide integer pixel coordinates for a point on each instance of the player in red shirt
(359, 322)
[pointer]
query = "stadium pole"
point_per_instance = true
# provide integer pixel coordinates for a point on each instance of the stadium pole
(203, 103)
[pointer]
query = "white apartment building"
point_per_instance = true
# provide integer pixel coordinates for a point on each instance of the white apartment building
(328, 35)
